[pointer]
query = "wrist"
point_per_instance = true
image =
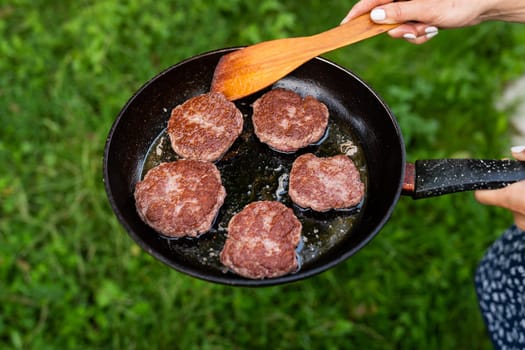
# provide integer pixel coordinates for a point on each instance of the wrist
(504, 10)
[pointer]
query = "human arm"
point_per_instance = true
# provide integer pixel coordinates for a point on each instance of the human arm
(422, 18)
(511, 197)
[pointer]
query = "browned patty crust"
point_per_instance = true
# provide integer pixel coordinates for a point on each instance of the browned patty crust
(325, 183)
(180, 198)
(287, 122)
(262, 239)
(204, 127)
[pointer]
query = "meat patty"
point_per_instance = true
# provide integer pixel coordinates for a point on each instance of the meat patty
(204, 127)
(325, 183)
(262, 239)
(180, 198)
(286, 122)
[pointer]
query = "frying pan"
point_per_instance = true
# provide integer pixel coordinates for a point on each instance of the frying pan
(252, 171)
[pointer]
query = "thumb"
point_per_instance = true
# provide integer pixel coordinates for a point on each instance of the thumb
(518, 152)
(402, 12)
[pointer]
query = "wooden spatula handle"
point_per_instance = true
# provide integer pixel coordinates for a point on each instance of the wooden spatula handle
(353, 31)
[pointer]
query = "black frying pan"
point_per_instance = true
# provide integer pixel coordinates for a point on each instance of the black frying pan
(251, 171)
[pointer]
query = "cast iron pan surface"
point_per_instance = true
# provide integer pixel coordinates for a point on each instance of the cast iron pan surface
(252, 171)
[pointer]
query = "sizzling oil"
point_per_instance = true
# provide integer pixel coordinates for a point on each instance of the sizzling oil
(251, 171)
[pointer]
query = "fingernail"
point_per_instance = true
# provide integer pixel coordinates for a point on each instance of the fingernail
(517, 149)
(431, 32)
(378, 15)
(409, 36)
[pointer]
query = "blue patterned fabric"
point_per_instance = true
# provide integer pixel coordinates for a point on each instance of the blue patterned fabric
(500, 286)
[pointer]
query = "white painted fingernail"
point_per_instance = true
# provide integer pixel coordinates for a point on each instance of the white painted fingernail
(431, 32)
(378, 15)
(517, 149)
(409, 36)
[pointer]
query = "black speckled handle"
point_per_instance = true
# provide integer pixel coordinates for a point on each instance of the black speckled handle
(442, 176)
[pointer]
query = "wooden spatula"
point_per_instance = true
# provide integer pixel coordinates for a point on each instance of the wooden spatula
(255, 67)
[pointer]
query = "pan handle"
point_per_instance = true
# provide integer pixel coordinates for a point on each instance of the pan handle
(436, 177)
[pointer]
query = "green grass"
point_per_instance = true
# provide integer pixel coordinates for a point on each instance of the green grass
(70, 277)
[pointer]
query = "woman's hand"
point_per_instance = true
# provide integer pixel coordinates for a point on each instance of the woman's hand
(511, 197)
(422, 18)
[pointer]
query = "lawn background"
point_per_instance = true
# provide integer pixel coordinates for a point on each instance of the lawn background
(71, 278)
